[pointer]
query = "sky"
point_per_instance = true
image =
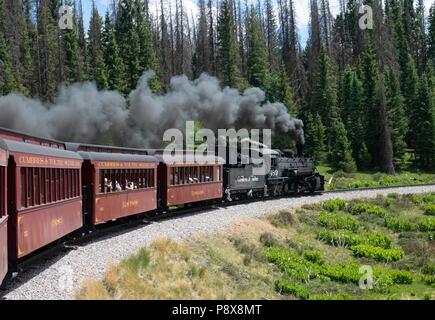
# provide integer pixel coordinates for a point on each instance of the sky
(302, 11)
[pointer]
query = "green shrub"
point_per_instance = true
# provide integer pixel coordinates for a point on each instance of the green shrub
(429, 269)
(376, 239)
(429, 280)
(339, 238)
(369, 208)
(292, 264)
(302, 270)
(423, 199)
(313, 256)
(401, 276)
(286, 287)
(399, 224)
(342, 238)
(392, 276)
(334, 205)
(429, 210)
(338, 221)
(431, 236)
(427, 224)
(380, 254)
(343, 272)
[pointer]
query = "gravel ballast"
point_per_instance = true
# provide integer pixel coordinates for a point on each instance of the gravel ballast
(60, 277)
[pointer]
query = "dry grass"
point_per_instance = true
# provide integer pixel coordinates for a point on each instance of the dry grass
(219, 267)
(232, 265)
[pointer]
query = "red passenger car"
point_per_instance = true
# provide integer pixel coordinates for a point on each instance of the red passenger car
(44, 196)
(3, 213)
(118, 185)
(184, 182)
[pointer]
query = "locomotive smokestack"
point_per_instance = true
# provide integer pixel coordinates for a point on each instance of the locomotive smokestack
(300, 149)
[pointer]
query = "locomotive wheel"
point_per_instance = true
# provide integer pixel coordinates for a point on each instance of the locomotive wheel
(286, 188)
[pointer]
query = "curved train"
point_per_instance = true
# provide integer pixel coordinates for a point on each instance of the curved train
(51, 189)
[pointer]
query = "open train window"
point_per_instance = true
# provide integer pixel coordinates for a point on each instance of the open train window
(194, 175)
(41, 186)
(125, 180)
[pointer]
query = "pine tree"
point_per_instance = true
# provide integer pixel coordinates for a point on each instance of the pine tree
(128, 41)
(13, 25)
(325, 95)
(314, 51)
(165, 47)
(7, 81)
(48, 52)
(115, 66)
(354, 118)
(420, 37)
(340, 154)
(314, 137)
(431, 35)
(409, 84)
(227, 46)
(280, 90)
(73, 65)
(147, 56)
(272, 42)
(370, 80)
(27, 49)
(97, 69)
(256, 51)
(425, 132)
(398, 122)
(202, 52)
(82, 61)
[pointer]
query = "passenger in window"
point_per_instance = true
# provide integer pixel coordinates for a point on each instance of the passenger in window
(117, 186)
(130, 185)
(109, 185)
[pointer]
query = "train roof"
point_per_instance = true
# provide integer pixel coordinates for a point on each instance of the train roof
(22, 147)
(10, 134)
(120, 157)
(73, 146)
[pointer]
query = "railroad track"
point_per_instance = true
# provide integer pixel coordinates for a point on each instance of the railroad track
(129, 224)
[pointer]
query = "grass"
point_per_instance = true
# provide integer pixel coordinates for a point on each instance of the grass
(303, 254)
(341, 180)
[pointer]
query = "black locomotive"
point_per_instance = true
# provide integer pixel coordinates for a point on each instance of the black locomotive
(289, 174)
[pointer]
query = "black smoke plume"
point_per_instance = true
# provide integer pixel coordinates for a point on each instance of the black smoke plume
(82, 113)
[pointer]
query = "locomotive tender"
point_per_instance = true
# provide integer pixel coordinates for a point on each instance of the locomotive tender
(51, 189)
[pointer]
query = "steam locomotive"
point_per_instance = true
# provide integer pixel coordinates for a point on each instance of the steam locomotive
(50, 190)
(289, 174)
